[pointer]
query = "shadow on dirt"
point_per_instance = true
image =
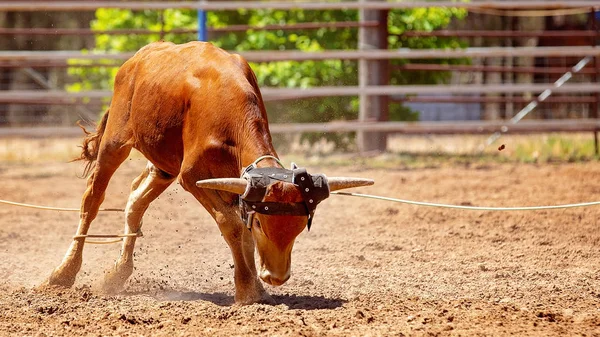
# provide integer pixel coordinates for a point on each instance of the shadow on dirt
(308, 302)
(222, 299)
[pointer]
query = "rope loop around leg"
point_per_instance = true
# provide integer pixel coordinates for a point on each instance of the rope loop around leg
(119, 237)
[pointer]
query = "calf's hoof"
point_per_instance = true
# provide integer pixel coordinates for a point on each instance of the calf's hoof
(61, 277)
(114, 279)
(256, 295)
(262, 299)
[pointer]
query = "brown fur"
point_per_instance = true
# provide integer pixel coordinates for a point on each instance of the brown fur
(195, 112)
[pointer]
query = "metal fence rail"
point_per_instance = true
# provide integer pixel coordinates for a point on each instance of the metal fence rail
(294, 55)
(408, 128)
(230, 28)
(445, 128)
(488, 94)
(288, 5)
(271, 94)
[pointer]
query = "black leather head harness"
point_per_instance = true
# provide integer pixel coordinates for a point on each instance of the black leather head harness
(314, 189)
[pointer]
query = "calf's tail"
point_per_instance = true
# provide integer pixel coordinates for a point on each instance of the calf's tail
(91, 145)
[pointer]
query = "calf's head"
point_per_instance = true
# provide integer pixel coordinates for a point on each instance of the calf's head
(278, 217)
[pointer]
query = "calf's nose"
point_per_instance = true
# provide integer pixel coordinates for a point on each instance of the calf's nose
(274, 279)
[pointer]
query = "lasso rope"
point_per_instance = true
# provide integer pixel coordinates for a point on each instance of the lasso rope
(120, 237)
(62, 209)
(368, 196)
(471, 208)
(65, 209)
(107, 236)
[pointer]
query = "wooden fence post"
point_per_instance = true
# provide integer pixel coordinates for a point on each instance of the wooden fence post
(596, 147)
(373, 72)
(595, 40)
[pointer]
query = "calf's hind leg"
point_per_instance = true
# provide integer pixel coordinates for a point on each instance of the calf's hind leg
(109, 159)
(145, 188)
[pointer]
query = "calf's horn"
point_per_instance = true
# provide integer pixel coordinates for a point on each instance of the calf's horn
(340, 183)
(233, 185)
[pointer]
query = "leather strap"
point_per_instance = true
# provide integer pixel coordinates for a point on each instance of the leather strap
(314, 189)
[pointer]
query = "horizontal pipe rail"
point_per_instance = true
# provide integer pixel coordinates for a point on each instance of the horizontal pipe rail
(488, 99)
(407, 128)
(288, 5)
(97, 103)
(269, 93)
(231, 28)
(404, 67)
(40, 132)
(485, 68)
(427, 89)
(463, 127)
(59, 64)
(295, 26)
(295, 55)
(499, 33)
(302, 25)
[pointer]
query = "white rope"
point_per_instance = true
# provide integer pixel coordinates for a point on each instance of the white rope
(108, 236)
(109, 242)
(472, 208)
(119, 237)
(63, 209)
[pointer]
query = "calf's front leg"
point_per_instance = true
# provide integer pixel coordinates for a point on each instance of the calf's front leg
(248, 288)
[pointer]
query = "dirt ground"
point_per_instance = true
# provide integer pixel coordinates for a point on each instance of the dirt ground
(366, 268)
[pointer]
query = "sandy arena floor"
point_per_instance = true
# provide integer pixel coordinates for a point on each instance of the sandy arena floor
(367, 268)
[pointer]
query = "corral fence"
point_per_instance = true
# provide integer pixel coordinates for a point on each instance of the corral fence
(505, 72)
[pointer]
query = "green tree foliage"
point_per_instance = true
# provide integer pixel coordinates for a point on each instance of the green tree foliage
(282, 74)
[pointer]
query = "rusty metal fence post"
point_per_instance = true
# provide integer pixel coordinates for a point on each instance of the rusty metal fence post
(373, 72)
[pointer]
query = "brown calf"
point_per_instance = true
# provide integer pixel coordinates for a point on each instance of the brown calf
(195, 112)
